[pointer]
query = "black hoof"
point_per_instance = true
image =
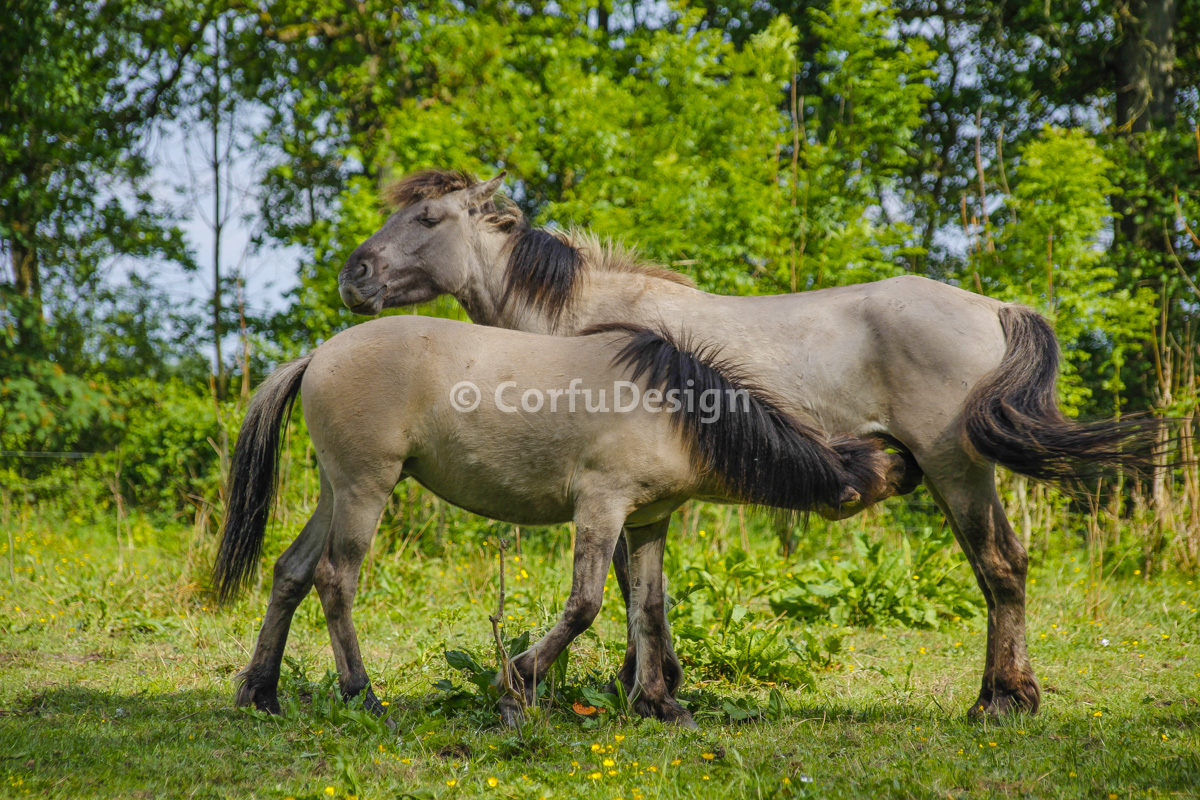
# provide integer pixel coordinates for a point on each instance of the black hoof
(371, 702)
(1024, 698)
(262, 699)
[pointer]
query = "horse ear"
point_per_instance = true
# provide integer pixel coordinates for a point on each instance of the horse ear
(480, 193)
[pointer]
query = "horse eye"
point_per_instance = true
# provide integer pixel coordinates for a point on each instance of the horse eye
(428, 222)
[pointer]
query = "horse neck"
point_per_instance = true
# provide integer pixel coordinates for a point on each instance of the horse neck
(480, 294)
(602, 295)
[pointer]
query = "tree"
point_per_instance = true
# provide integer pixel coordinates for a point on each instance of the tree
(86, 83)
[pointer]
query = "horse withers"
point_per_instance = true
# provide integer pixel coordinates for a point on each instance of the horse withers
(612, 430)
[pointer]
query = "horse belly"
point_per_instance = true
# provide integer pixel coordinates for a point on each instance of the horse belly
(497, 488)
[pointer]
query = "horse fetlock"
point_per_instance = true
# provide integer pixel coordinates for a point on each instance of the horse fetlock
(672, 674)
(625, 676)
(354, 686)
(520, 678)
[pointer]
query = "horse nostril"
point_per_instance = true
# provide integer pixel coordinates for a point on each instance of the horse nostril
(362, 271)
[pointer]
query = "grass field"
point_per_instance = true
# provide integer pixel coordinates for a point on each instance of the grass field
(116, 680)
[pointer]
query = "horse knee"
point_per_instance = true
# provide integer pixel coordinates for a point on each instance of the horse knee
(581, 611)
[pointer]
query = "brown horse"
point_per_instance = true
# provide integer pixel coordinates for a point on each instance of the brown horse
(957, 381)
(613, 430)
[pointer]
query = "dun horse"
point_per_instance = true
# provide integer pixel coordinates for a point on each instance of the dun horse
(957, 381)
(506, 425)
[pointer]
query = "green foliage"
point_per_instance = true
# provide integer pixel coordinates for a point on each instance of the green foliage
(45, 409)
(479, 704)
(73, 174)
(675, 129)
(107, 645)
(1048, 253)
(723, 630)
(168, 456)
(302, 699)
(855, 116)
(673, 137)
(921, 584)
(695, 128)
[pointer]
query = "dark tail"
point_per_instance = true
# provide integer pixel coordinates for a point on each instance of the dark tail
(760, 453)
(252, 478)
(1012, 415)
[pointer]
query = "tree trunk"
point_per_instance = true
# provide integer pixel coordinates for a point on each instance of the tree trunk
(1145, 65)
(220, 380)
(1145, 90)
(27, 279)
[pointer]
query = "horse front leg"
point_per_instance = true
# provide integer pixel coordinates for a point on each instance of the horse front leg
(596, 533)
(654, 683)
(671, 669)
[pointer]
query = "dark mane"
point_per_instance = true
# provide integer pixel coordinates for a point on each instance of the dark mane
(542, 272)
(760, 453)
(544, 267)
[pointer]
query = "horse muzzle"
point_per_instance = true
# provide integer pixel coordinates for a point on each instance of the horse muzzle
(360, 301)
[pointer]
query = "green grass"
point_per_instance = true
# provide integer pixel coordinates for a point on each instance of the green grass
(116, 680)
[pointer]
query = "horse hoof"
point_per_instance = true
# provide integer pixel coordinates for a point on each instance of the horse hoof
(512, 713)
(261, 699)
(1024, 700)
(668, 710)
(371, 702)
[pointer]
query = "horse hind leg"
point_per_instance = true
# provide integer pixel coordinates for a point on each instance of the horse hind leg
(1000, 565)
(355, 516)
(258, 683)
